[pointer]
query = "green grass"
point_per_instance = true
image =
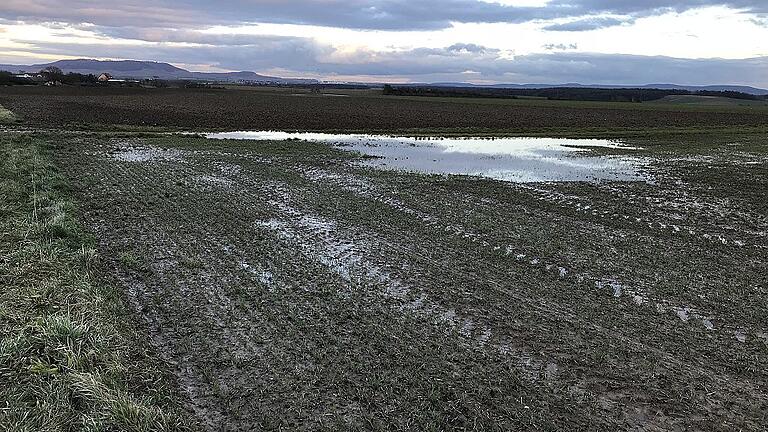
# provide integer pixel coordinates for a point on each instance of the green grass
(69, 359)
(7, 116)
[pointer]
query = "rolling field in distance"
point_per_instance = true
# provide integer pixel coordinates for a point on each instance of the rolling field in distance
(360, 110)
(285, 285)
(703, 101)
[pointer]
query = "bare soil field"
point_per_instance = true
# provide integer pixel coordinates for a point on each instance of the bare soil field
(286, 109)
(289, 287)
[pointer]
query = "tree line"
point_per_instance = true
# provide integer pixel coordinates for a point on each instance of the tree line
(561, 93)
(49, 74)
(55, 75)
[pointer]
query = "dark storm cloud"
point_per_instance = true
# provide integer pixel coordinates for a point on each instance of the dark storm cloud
(359, 14)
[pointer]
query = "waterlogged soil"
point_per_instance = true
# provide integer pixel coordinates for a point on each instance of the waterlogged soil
(519, 159)
(290, 287)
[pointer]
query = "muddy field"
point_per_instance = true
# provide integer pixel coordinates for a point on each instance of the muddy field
(289, 286)
(292, 109)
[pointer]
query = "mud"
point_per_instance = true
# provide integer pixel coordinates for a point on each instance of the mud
(292, 287)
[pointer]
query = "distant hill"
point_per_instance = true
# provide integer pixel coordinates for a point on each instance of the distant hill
(147, 69)
(719, 88)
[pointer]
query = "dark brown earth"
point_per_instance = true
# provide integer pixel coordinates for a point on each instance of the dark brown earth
(363, 110)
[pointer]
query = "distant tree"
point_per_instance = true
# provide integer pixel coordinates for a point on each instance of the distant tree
(9, 78)
(79, 79)
(729, 94)
(157, 83)
(52, 73)
(6, 78)
(560, 93)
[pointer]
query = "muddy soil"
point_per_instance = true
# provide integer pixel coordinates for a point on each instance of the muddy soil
(290, 287)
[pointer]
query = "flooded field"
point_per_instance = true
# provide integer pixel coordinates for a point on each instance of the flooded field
(509, 159)
(295, 284)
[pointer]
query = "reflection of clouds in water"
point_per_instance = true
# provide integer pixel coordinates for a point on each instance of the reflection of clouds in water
(524, 146)
(509, 159)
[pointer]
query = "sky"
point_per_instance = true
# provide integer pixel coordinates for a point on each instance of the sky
(691, 42)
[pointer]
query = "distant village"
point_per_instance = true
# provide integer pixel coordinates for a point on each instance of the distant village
(54, 77)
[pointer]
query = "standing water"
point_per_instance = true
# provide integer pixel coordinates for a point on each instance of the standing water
(509, 159)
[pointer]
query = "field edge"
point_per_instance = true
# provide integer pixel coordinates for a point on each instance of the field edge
(69, 346)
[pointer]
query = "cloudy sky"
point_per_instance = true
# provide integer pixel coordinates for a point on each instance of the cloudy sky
(482, 41)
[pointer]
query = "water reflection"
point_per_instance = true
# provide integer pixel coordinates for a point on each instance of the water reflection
(509, 159)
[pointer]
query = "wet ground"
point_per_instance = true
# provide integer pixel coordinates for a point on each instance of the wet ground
(511, 159)
(290, 285)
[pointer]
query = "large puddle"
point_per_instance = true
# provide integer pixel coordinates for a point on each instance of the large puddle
(509, 159)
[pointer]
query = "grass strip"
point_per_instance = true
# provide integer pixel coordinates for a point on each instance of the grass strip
(7, 116)
(70, 359)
